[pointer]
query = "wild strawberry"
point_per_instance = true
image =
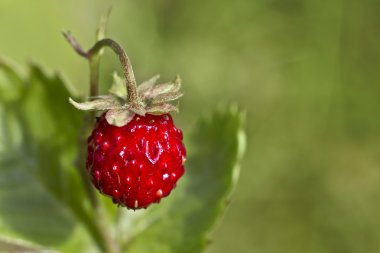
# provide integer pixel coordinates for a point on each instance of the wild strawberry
(135, 153)
(136, 164)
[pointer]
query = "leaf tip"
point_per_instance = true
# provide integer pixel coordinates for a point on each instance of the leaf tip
(75, 104)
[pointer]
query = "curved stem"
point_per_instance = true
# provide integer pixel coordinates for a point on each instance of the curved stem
(74, 43)
(132, 98)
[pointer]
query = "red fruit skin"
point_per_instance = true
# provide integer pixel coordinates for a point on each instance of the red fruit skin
(136, 164)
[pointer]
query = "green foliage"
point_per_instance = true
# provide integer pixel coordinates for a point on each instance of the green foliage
(42, 199)
(215, 147)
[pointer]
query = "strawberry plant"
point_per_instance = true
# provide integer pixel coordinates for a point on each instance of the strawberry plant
(49, 170)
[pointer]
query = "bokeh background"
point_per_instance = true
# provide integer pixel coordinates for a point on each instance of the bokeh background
(306, 72)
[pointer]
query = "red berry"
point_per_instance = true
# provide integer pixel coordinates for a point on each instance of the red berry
(136, 164)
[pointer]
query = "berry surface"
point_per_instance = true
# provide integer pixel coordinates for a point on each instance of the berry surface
(136, 164)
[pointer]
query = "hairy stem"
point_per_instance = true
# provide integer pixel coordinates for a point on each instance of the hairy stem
(132, 98)
(92, 55)
(107, 243)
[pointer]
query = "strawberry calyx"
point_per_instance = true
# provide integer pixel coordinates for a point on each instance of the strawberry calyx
(125, 98)
(153, 99)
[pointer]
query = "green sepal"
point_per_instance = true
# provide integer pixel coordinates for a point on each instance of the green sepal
(118, 87)
(154, 100)
(119, 117)
(98, 103)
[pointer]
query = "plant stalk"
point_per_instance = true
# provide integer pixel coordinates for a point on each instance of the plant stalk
(107, 244)
(94, 75)
(132, 96)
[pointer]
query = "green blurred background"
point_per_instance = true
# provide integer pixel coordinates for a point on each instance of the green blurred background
(306, 72)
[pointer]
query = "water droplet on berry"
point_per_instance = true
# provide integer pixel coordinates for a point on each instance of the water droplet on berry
(165, 176)
(136, 204)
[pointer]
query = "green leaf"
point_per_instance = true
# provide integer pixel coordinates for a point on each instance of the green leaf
(11, 83)
(182, 222)
(41, 195)
(118, 87)
(11, 245)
